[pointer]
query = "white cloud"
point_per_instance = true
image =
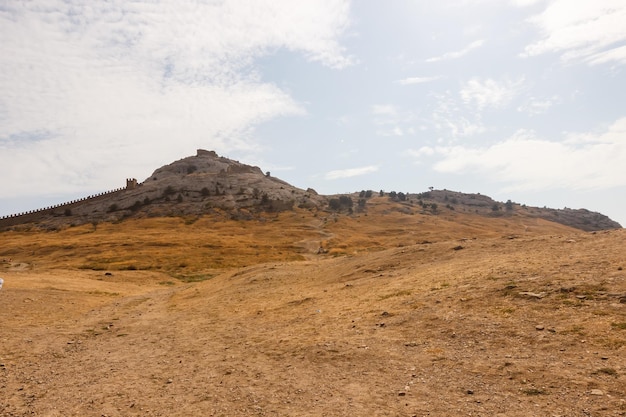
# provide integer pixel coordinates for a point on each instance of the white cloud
(526, 162)
(615, 54)
(351, 172)
(490, 93)
(418, 80)
(423, 151)
(525, 3)
(452, 120)
(457, 54)
(392, 121)
(534, 106)
(99, 90)
(593, 31)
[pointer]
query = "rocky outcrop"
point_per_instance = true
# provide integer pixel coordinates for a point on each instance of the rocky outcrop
(194, 185)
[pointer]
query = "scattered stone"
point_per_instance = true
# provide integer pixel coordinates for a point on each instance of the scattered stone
(169, 381)
(597, 392)
(539, 296)
(108, 274)
(459, 247)
(410, 344)
(384, 313)
(401, 394)
(581, 297)
(539, 327)
(470, 392)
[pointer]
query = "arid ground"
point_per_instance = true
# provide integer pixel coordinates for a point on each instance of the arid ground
(411, 316)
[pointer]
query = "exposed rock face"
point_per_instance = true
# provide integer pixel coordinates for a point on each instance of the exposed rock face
(481, 204)
(206, 183)
(192, 186)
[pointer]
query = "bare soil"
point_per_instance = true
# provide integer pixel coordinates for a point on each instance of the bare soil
(488, 326)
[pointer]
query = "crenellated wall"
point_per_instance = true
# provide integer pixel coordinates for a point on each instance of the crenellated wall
(38, 214)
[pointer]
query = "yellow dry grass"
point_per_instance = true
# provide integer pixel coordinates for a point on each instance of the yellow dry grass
(407, 314)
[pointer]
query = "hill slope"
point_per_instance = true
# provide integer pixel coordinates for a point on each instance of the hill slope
(503, 326)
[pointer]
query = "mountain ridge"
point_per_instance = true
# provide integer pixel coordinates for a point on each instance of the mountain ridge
(208, 183)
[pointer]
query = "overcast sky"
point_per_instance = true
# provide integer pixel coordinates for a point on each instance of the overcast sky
(517, 99)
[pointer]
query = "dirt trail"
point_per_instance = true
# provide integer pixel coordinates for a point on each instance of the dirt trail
(515, 327)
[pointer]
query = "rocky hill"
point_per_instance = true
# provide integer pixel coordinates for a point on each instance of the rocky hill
(207, 184)
(200, 184)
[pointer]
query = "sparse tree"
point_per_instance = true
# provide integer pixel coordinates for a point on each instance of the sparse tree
(169, 190)
(345, 201)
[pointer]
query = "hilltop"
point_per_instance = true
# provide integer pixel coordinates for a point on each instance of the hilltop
(207, 184)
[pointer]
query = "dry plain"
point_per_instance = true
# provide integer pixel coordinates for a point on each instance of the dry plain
(400, 315)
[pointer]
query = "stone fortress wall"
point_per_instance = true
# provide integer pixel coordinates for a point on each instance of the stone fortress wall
(59, 209)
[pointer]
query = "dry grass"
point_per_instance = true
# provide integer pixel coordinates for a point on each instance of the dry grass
(223, 317)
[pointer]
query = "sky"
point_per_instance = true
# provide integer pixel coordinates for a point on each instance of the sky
(516, 99)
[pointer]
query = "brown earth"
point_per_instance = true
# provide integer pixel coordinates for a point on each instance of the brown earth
(403, 315)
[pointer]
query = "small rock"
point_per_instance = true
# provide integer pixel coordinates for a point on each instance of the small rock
(539, 327)
(401, 394)
(597, 392)
(533, 294)
(470, 392)
(459, 247)
(169, 381)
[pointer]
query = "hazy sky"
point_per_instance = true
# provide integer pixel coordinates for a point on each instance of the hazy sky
(517, 99)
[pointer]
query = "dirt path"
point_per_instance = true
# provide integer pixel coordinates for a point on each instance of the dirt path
(510, 327)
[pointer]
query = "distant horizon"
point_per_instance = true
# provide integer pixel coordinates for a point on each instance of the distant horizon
(516, 99)
(376, 193)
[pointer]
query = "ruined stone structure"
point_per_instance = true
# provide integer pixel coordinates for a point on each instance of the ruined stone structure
(36, 215)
